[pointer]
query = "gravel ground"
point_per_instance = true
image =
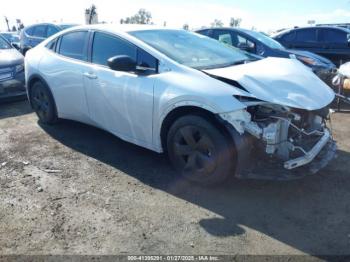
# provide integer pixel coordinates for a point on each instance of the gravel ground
(74, 189)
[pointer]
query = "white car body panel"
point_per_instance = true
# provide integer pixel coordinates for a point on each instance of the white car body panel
(280, 81)
(133, 107)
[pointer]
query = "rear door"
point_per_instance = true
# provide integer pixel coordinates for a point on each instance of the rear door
(63, 68)
(336, 44)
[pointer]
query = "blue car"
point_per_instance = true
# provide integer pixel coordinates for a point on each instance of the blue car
(11, 72)
(33, 35)
(263, 45)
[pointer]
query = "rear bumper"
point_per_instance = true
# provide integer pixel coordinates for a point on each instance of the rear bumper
(13, 88)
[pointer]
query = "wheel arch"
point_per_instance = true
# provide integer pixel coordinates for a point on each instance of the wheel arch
(184, 110)
(37, 78)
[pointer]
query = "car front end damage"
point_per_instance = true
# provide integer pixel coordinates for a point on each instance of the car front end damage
(293, 142)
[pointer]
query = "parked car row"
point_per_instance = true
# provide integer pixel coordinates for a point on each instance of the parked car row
(328, 41)
(262, 45)
(211, 107)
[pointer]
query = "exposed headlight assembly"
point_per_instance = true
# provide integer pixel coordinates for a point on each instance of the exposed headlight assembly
(306, 60)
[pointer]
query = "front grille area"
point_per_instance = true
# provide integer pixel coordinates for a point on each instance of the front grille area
(6, 70)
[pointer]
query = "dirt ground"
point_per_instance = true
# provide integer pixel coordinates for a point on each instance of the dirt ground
(74, 189)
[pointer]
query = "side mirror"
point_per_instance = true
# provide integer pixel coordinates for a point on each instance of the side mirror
(122, 63)
(15, 45)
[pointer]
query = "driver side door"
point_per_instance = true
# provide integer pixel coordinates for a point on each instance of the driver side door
(120, 102)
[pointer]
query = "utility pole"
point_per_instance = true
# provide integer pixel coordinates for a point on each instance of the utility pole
(7, 22)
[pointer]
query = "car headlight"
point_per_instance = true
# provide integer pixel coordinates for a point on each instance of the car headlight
(19, 68)
(308, 60)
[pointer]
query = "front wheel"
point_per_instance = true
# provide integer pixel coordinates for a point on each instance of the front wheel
(43, 103)
(199, 151)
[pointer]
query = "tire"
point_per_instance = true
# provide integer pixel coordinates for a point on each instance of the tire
(199, 151)
(43, 103)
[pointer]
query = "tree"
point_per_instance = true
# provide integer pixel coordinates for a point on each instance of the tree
(217, 23)
(14, 29)
(142, 17)
(235, 22)
(91, 15)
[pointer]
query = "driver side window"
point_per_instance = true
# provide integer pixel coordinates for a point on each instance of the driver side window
(106, 46)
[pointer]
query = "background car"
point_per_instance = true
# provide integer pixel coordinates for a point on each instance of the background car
(328, 41)
(178, 92)
(11, 72)
(33, 35)
(11, 37)
(263, 45)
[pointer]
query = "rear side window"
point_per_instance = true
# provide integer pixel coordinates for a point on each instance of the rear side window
(306, 35)
(225, 37)
(39, 31)
(333, 36)
(106, 46)
(74, 45)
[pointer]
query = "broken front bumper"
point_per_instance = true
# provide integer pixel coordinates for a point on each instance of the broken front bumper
(310, 155)
(252, 165)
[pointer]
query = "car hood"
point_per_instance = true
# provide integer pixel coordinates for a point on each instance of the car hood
(9, 57)
(280, 81)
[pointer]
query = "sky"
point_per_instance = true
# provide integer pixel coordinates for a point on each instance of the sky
(265, 15)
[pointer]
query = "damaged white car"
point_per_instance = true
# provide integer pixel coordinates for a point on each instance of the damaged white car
(213, 108)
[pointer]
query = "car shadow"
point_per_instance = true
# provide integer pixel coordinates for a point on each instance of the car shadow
(14, 108)
(310, 215)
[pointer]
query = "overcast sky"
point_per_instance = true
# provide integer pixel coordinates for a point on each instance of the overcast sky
(263, 15)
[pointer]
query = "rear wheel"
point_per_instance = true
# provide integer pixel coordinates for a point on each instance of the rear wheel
(43, 103)
(199, 151)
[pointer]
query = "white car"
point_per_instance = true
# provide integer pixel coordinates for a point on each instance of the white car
(213, 108)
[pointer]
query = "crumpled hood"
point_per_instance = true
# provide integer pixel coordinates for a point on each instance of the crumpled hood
(281, 81)
(9, 57)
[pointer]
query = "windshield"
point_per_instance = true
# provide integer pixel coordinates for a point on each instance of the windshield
(11, 37)
(191, 49)
(265, 40)
(4, 44)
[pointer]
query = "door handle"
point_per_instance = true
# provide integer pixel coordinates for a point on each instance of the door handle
(90, 75)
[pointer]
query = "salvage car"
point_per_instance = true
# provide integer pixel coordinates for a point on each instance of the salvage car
(328, 41)
(33, 35)
(11, 72)
(209, 106)
(263, 45)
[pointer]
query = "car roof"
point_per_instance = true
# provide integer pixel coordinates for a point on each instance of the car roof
(126, 28)
(51, 23)
(312, 27)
